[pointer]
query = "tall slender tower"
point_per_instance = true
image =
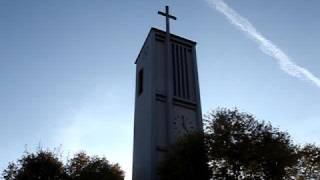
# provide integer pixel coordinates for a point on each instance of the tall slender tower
(167, 102)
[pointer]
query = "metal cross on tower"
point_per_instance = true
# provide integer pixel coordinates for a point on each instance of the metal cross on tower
(168, 17)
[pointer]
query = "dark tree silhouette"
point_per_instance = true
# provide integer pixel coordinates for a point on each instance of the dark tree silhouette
(76, 165)
(83, 167)
(10, 172)
(186, 160)
(241, 147)
(309, 163)
(39, 165)
(45, 165)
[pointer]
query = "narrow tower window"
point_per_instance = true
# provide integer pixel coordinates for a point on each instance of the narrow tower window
(140, 82)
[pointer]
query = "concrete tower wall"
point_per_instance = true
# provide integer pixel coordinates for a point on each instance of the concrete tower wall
(154, 129)
(142, 114)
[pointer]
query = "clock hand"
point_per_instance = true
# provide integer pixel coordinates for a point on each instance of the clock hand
(184, 126)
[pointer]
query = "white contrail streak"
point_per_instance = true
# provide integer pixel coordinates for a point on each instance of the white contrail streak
(286, 64)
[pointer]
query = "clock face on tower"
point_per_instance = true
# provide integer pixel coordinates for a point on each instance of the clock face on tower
(183, 125)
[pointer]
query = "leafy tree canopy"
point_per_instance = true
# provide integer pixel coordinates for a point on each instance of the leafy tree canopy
(45, 165)
(83, 167)
(309, 163)
(39, 165)
(187, 160)
(241, 147)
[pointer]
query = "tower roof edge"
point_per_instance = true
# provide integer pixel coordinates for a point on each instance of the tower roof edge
(161, 32)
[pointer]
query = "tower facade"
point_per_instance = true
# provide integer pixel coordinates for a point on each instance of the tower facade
(167, 99)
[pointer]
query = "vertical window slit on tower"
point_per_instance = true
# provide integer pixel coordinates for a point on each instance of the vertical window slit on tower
(183, 71)
(140, 82)
(187, 75)
(180, 68)
(174, 70)
(178, 71)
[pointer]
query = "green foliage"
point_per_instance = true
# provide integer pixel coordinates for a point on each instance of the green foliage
(309, 163)
(39, 165)
(241, 147)
(186, 160)
(76, 165)
(45, 165)
(82, 167)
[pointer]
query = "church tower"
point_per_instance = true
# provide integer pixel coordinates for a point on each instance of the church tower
(167, 99)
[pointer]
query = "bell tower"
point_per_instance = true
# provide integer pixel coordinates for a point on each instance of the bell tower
(167, 98)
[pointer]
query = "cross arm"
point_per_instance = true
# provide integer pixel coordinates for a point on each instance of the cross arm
(167, 15)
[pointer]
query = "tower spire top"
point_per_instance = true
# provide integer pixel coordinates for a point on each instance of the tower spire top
(168, 17)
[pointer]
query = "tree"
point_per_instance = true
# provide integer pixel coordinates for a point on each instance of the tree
(275, 152)
(11, 172)
(186, 160)
(241, 147)
(309, 162)
(83, 167)
(45, 165)
(39, 165)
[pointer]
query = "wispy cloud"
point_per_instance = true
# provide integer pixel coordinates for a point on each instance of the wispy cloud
(97, 125)
(266, 46)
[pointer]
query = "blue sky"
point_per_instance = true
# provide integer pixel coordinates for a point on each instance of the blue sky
(67, 69)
